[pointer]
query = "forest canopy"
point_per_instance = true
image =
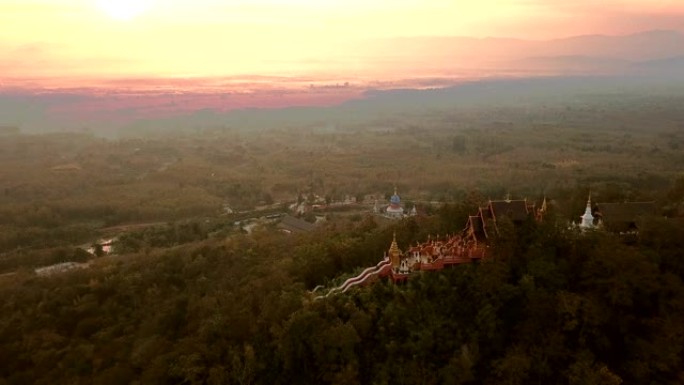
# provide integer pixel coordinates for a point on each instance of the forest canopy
(550, 306)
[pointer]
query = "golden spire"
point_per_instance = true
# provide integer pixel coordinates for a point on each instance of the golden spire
(394, 252)
(541, 211)
(395, 190)
(394, 248)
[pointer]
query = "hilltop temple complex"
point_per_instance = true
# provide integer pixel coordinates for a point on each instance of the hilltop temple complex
(470, 245)
(437, 253)
(467, 246)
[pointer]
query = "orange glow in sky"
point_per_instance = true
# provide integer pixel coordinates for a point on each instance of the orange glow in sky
(205, 38)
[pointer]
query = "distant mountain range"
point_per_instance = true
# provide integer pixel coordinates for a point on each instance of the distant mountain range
(669, 66)
(651, 50)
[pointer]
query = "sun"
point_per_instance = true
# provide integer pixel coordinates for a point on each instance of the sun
(123, 10)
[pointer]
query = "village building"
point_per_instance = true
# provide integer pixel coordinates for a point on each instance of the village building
(290, 225)
(300, 208)
(102, 247)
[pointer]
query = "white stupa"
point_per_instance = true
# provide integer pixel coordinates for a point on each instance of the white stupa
(587, 218)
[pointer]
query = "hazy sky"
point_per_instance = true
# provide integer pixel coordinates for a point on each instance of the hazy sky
(120, 38)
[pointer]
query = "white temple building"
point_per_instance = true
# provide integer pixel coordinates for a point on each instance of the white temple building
(394, 209)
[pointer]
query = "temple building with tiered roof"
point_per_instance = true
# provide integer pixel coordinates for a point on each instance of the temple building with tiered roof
(480, 226)
(623, 217)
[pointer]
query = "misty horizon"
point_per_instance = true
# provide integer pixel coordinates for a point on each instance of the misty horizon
(650, 56)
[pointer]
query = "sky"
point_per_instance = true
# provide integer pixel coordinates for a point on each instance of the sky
(91, 39)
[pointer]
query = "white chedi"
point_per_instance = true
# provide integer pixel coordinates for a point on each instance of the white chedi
(587, 219)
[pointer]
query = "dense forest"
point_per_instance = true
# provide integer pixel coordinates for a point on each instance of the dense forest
(550, 305)
(189, 297)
